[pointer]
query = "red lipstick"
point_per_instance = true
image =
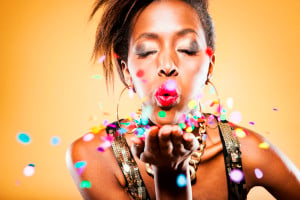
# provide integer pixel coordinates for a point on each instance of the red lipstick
(167, 95)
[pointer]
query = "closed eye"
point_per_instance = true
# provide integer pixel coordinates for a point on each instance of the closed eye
(188, 52)
(145, 54)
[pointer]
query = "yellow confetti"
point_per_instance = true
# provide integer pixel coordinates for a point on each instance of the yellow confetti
(264, 145)
(192, 104)
(97, 129)
(238, 132)
(189, 129)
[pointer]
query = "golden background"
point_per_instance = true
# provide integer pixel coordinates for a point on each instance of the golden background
(48, 88)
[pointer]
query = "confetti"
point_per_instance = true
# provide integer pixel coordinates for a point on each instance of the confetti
(23, 138)
(236, 117)
(162, 114)
(252, 123)
(264, 145)
(238, 132)
(88, 137)
(236, 175)
(181, 180)
(170, 85)
(95, 129)
(230, 102)
(192, 104)
(258, 173)
(55, 140)
(80, 164)
(209, 52)
(85, 184)
(97, 76)
(189, 129)
(101, 59)
(275, 109)
(29, 170)
(140, 73)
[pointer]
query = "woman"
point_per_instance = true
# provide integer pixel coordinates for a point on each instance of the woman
(163, 51)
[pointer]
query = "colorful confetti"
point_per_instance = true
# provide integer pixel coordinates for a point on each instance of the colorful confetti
(171, 85)
(238, 132)
(264, 145)
(181, 180)
(85, 184)
(162, 114)
(236, 175)
(80, 164)
(275, 109)
(101, 59)
(97, 76)
(192, 104)
(140, 73)
(252, 123)
(55, 140)
(23, 138)
(29, 170)
(88, 137)
(258, 173)
(235, 117)
(209, 52)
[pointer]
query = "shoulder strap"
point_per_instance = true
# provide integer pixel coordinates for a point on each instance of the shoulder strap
(233, 161)
(134, 182)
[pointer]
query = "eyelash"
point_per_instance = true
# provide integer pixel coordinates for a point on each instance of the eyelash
(145, 54)
(188, 52)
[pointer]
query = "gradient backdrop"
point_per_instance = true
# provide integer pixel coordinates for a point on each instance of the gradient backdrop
(48, 85)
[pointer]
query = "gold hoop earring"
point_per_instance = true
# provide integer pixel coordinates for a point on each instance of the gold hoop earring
(118, 103)
(208, 82)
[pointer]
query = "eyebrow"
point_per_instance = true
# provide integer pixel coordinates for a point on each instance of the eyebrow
(155, 36)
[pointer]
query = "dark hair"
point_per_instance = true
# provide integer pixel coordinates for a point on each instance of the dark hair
(113, 31)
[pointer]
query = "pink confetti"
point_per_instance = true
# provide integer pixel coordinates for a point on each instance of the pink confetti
(236, 175)
(258, 173)
(235, 117)
(252, 123)
(101, 59)
(88, 137)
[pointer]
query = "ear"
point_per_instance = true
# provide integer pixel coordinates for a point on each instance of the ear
(211, 68)
(126, 74)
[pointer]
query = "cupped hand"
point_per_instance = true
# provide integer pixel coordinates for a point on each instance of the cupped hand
(165, 147)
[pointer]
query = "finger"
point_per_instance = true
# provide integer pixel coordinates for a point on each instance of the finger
(190, 142)
(151, 140)
(165, 143)
(176, 137)
(137, 146)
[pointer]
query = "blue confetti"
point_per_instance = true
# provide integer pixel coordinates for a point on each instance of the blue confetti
(181, 180)
(55, 140)
(23, 138)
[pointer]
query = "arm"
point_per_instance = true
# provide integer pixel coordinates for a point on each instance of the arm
(101, 169)
(280, 176)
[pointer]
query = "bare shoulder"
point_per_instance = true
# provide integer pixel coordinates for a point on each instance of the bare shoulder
(265, 165)
(93, 167)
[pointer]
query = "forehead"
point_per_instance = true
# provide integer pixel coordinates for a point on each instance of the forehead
(166, 17)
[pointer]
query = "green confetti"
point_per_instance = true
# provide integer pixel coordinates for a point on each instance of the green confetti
(85, 184)
(96, 76)
(162, 114)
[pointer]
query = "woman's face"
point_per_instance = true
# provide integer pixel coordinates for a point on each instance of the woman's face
(167, 61)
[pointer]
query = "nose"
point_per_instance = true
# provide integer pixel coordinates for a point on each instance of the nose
(167, 71)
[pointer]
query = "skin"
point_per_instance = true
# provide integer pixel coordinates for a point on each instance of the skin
(165, 146)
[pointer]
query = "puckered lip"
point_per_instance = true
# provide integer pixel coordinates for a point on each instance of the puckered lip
(166, 97)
